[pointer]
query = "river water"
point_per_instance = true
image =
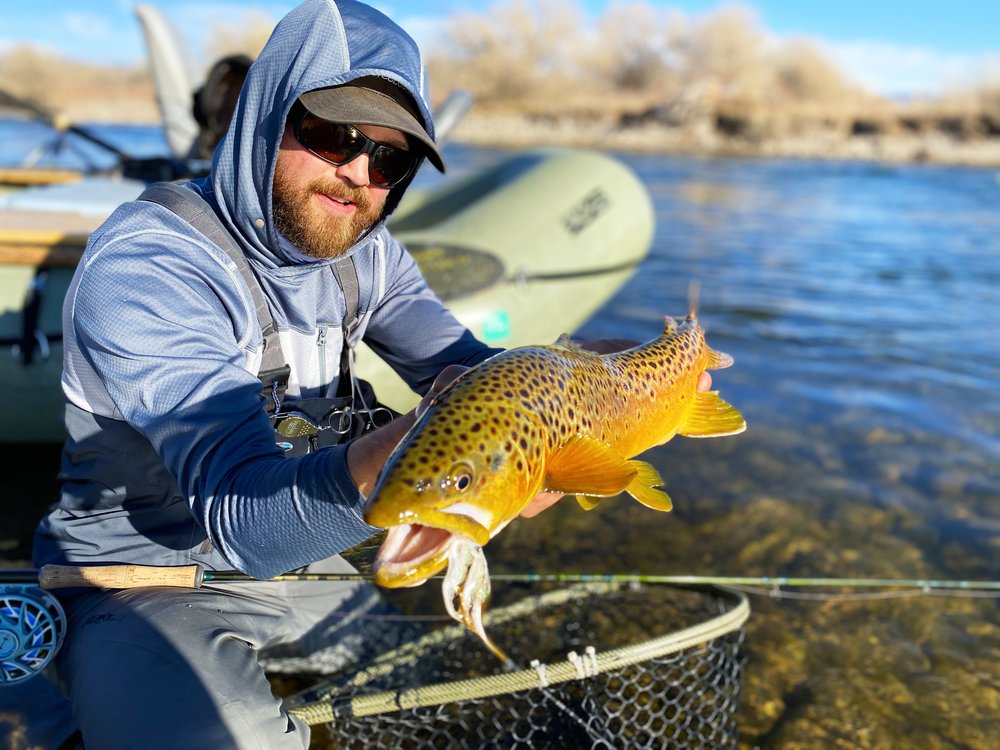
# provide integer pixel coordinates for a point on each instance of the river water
(861, 305)
(860, 302)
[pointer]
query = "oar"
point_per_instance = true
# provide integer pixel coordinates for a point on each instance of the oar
(58, 121)
(448, 114)
(193, 576)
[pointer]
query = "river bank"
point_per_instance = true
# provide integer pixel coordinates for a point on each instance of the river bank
(956, 141)
(926, 145)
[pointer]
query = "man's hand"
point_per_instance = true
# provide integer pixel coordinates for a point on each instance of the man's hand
(367, 455)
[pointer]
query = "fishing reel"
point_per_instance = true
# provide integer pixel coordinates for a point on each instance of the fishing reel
(32, 627)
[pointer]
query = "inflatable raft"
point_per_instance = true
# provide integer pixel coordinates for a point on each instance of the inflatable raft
(520, 251)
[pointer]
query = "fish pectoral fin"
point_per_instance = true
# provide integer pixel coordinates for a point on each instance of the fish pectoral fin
(592, 470)
(642, 487)
(710, 416)
(588, 466)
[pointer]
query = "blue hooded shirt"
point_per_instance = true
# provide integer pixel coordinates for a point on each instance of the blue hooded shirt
(170, 458)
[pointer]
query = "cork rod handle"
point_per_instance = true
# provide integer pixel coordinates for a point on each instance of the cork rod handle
(119, 576)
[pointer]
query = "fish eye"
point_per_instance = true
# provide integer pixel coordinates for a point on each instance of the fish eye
(461, 476)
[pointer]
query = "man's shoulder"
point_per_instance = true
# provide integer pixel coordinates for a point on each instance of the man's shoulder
(142, 224)
(141, 239)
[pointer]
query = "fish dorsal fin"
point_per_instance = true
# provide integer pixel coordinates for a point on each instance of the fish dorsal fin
(565, 341)
(587, 466)
(710, 416)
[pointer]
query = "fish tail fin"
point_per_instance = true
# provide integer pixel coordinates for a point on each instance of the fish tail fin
(643, 487)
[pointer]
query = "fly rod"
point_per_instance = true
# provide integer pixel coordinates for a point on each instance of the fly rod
(194, 576)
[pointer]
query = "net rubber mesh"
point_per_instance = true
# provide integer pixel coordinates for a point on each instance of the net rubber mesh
(599, 665)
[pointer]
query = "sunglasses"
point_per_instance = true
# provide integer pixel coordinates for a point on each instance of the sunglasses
(339, 143)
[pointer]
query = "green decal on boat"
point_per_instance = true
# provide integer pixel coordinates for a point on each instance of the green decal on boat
(495, 327)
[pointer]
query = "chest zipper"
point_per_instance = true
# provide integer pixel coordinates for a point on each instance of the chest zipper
(321, 345)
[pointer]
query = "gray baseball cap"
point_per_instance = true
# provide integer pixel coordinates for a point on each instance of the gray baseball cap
(372, 100)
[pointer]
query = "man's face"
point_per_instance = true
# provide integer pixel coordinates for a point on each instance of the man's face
(321, 208)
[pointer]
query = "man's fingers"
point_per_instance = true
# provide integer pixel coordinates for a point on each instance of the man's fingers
(607, 346)
(704, 382)
(540, 502)
(445, 378)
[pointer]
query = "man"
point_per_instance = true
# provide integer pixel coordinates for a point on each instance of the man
(199, 367)
(172, 457)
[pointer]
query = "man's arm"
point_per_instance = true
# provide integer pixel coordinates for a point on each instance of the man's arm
(413, 332)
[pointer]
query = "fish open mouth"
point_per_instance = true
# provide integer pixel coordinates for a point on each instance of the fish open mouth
(410, 554)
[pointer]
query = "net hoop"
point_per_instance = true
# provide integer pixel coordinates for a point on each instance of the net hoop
(575, 667)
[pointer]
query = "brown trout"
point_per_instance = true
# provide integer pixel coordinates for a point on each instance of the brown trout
(531, 419)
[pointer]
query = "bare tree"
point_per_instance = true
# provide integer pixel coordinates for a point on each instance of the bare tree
(803, 73)
(631, 49)
(53, 82)
(726, 48)
(247, 37)
(515, 51)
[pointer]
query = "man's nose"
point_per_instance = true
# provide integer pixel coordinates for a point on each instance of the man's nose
(355, 171)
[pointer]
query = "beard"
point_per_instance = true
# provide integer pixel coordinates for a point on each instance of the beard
(315, 233)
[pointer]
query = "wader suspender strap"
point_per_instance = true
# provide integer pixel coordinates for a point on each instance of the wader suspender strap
(347, 277)
(274, 371)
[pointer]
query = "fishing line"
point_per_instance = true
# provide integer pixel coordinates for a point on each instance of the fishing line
(775, 586)
(33, 623)
(127, 576)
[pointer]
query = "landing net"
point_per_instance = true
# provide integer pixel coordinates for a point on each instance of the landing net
(601, 665)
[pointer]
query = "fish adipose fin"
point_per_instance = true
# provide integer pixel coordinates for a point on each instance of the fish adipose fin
(710, 416)
(587, 466)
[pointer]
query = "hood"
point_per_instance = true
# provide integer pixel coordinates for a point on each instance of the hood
(318, 44)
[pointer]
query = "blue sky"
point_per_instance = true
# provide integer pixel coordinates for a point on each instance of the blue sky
(895, 47)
